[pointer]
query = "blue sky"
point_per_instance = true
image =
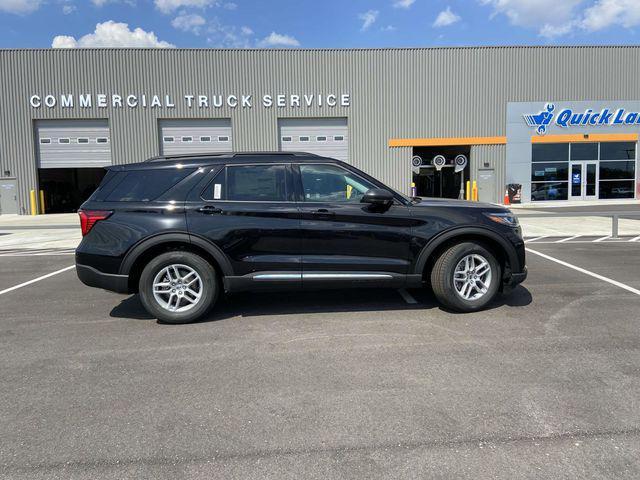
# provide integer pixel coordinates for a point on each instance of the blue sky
(315, 24)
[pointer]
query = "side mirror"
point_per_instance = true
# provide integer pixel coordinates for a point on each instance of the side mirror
(378, 197)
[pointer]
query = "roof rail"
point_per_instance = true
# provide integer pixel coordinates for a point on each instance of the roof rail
(160, 158)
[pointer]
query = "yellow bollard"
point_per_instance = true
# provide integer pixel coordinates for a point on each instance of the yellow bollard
(474, 191)
(41, 202)
(468, 197)
(34, 203)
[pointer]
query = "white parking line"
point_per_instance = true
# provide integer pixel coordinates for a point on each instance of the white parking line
(586, 272)
(567, 239)
(407, 296)
(602, 239)
(535, 238)
(43, 277)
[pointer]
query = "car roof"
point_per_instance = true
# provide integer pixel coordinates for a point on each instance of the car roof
(203, 159)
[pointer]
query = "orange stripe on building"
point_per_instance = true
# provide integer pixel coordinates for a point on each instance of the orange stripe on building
(586, 138)
(446, 142)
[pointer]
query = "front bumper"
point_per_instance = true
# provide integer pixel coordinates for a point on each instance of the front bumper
(515, 279)
(107, 281)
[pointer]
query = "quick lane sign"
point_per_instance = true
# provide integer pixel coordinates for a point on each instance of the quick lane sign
(567, 118)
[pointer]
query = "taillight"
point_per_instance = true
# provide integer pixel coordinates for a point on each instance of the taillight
(88, 218)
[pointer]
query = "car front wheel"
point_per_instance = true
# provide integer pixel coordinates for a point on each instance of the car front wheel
(466, 277)
(178, 287)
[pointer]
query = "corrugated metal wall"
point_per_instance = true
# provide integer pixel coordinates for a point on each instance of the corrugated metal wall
(443, 92)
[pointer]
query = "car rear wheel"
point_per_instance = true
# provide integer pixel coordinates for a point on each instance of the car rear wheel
(178, 287)
(466, 277)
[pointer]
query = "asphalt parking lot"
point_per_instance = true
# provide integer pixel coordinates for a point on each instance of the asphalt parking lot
(358, 384)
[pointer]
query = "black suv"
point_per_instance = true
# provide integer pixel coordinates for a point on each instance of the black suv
(179, 229)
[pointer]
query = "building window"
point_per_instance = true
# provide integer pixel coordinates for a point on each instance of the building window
(321, 139)
(205, 139)
(618, 151)
(223, 139)
(83, 140)
(102, 140)
(286, 139)
(187, 139)
(615, 162)
(584, 151)
(64, 140)
(167, 139)
(44, 141)
(304, 139)
(549, 171)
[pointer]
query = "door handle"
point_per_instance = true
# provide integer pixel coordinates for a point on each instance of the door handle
(323, 213)
(209, 210)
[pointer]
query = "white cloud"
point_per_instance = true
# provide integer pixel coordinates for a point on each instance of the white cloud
(278, 40)
(368, 18)
(445, 18)
(549, 17)
(68, 8)
(388, 28)
(228, 36)
(403, 3)
(102, 3)
(555, 18)
(606, 13)
(170, 6)
(189, 22)
(20, 7)
(230, 6)
(112, 34)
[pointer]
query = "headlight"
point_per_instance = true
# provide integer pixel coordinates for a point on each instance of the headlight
(507, 218)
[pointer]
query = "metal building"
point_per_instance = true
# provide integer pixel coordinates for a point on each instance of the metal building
(551, 123)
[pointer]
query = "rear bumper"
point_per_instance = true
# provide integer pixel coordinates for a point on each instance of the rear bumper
(107, 281)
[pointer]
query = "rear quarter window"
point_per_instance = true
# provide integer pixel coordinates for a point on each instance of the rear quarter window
(139, 185)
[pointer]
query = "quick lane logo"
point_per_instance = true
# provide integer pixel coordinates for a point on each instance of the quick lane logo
(568, 118)
(542, 119)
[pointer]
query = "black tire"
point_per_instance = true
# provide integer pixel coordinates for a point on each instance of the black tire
(209, 284)
(442, 277)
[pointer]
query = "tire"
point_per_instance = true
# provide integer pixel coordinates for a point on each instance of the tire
(167, 271)
(451, 292)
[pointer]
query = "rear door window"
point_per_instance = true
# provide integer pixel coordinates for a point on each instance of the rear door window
(250, 183)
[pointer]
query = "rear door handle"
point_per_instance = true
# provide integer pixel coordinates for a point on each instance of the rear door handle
(209, 210)
(323, 213)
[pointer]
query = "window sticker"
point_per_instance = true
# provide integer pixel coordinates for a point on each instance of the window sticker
(217, 191)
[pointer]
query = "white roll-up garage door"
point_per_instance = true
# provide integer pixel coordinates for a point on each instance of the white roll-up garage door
(322, 136)
(73, 143)
(195, 136)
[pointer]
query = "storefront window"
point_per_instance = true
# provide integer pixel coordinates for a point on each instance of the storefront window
(550, 152)
(584, 151)
(550, 171)
(549, 191)
(618, 151)
(612, 166)
(617, 189)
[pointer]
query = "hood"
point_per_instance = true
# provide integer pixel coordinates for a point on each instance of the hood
(449, 202)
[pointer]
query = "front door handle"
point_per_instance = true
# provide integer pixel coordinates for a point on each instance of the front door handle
(323, 213)
(209, 210)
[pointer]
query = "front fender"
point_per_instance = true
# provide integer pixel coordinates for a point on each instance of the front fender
(461, 232)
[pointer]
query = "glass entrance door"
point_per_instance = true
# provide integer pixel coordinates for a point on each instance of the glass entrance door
(584, 181)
